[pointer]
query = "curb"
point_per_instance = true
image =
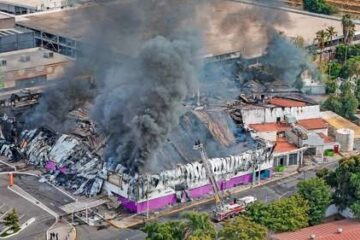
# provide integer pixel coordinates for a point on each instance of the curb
(210, 199)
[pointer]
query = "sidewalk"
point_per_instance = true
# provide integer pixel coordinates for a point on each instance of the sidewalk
(137, 219)
(64, 231)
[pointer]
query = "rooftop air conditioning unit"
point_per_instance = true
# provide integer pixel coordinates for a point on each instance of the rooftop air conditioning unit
(25, 58)
(48, 55)
(3, 62)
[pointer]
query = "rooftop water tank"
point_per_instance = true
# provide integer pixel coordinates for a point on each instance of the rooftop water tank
(345, 137)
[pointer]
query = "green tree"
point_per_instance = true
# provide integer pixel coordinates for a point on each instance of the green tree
(345, 180)
(346, 51)
(242, 228)
(331, 32)
(323, 173)
(287, 214)
(198, 225)
(330, 86)
(12, 220)
(357, 90)
(333, 69)
(332, 103)
(348, 27)
(318, 6)
(193, 226)
(173, 230)
(349, 103)
(353, 66)
(320, 40)
(318, 195)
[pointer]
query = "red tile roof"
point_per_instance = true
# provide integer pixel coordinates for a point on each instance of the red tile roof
(313, 123)
(284, 102)
(282, 145)
(326, 231)
(327, 139)
(270, 127)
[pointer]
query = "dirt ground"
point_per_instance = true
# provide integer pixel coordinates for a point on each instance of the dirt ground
(251, 36)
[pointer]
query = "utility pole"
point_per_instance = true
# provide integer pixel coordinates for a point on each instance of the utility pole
(86, 214)
(198, 97)
(147, 198)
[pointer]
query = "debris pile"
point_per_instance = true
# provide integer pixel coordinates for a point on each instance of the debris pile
(71, 160)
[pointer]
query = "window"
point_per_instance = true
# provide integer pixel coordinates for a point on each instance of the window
(293, 159)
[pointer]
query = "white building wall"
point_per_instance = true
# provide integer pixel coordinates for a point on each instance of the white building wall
(51, 4)
(193, 174)
(270, 115)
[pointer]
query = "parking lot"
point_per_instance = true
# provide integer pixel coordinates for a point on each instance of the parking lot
(43, 192)
(25, 210)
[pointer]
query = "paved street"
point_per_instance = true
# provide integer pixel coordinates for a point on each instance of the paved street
(266, 193)
(111, 233)
(43, 220)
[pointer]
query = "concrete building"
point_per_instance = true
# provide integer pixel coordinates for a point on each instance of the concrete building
(18, 7)
(15, 39)
(12, 37)
(6, 21)
(64, 31)
(31, 67)
(336, 122)
(294, 124)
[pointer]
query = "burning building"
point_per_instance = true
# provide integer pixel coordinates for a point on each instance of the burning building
(136, 141)
(74, 160)
(235, 160)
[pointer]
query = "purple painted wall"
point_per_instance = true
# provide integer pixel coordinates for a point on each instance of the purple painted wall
(162, 202)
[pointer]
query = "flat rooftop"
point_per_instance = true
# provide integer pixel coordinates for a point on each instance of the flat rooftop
(37, 59)
(337, 122)
(13, 31)
(5, 15)
(71, 23)
(23, 3)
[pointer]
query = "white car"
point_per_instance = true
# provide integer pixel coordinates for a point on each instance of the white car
(247, 200)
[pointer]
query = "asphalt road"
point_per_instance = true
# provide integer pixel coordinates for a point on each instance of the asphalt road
(43, 220)
(265, 193)
(111, 233)
(5, 168)
(43, 192)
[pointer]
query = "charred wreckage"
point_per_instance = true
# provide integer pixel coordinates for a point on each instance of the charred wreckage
(75, 160)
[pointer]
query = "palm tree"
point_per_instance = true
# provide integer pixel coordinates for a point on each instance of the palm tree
(198, 225)
(348, 28)
(331, 33)
(320, 39)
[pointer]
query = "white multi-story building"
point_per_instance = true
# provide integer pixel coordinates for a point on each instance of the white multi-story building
(294, 124)
(18, 7)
